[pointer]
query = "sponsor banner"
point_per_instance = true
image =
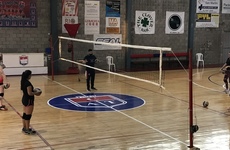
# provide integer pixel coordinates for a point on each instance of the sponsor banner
(174, 23)
(92, 9)
(92, 25)
(113, 25)
(226, 6)
(92, 17)
(69, 8)
(112, 17)
(107, 38)
(18, 13)
(145, 22)
(208, 6)
(207, 20)
(69, 13)
(68, 20)
(112, 8)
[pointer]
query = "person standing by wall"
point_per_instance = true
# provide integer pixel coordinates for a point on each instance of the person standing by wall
(90, 60)
(27, 101)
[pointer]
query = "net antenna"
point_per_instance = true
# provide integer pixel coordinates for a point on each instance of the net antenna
(72, 31)
(151, 48)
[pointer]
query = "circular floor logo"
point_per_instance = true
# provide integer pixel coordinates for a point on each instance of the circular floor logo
(96, 102)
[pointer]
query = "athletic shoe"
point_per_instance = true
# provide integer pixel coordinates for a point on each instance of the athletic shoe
(93, 88)
(23, 129)
(3, 107)
(29, 132)
(88, 90)
(226, 91)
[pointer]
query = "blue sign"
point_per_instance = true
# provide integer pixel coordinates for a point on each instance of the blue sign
(112, 8)
(96, 102)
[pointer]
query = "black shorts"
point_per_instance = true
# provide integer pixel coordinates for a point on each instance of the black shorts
(28, 102)
(2, 94)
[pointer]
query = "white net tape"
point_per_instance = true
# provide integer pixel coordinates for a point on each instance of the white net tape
(160, 49)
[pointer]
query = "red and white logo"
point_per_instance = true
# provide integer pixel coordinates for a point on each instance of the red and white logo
(23, 60)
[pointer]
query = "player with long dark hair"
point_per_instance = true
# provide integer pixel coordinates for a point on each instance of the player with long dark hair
(27, 101)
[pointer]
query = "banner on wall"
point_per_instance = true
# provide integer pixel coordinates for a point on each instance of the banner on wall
(112, 17)
(107, 38)
(69, 13)
(207, 20)
(145, 22)
(207, 13)
(18, 13)
(226, 6)
(208, 6)
(174, 23)
(92, 17)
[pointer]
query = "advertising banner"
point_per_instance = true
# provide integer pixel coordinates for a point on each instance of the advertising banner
(107, 38)
(207, 13)
(69, 13)
(207, 20)
(92, 17)
(18, 13)
(145, 22)
(112, 17)
(226, 6)
(208, 6)
(174, 23)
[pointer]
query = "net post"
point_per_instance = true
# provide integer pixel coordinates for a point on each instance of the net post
(191, 136)
(52, 56)
(59, 46)
(160, 69)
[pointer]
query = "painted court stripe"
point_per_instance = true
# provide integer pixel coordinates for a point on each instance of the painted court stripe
(134, 119)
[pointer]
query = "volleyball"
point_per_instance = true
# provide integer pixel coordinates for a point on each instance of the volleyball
(6, 86)
(205, 104)
(37, 91)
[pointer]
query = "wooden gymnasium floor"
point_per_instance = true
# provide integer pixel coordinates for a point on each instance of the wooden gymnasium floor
(160, 124)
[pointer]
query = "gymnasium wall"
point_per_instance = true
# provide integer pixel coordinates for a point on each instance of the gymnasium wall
(207, 40)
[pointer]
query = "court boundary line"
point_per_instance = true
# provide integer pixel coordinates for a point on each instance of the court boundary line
(226, 113)
(39, 135)
(132, 118)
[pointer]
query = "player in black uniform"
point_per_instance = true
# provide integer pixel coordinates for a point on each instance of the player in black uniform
(27, 101)
(90, 60)
(226, 70)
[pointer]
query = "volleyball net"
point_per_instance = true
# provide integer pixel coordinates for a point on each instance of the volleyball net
(146, 84)
(152, 75)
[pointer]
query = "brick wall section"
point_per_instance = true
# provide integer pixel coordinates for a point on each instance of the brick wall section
(16, 40)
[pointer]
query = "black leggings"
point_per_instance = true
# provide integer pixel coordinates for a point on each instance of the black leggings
(90, 76)
(226, 79)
